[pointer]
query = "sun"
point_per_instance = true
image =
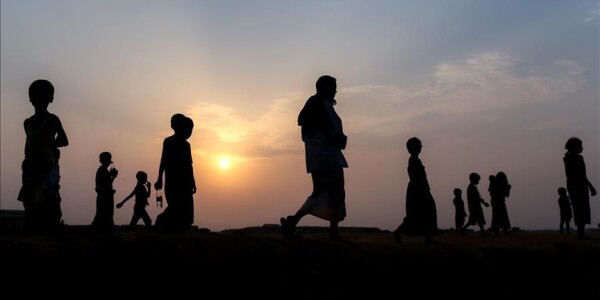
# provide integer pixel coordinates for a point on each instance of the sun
(224, 163)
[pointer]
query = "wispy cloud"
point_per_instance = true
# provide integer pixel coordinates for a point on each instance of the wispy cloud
(593, 14)
(482, 82)
(273, 133)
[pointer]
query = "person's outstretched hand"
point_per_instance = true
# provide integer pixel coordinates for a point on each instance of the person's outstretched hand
(158, 185)
(119, 205)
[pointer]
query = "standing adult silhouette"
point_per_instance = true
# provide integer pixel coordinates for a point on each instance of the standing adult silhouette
(578, 185)
(421, 215)
(180, 185)
(499, 191)
(324, 140)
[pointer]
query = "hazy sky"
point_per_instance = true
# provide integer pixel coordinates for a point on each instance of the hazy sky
(487, 86)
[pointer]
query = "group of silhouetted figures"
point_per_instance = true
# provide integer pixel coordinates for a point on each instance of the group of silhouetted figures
(175, 163)
(324, 139)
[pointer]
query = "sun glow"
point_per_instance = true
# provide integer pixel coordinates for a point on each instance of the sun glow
(224, 163)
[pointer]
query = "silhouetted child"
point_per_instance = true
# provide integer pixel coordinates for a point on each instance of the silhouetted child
(180, 185)
(421, 214)
(578, 185)
(460, 213)
(105, 199)
(44, 134)
(474, 202)
(565, 210)
(141, 192)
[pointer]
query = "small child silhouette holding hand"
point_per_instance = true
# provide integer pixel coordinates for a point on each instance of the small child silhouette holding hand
(565, 210)
(141, 193)
(460, 213)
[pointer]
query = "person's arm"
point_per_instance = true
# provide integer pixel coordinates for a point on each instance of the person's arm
(148, 189)
(161, 169)
(592, 189)
(120, 204)
(113, 174)
(334, 128)
(61, 136)
(482, 201)
(193, 182)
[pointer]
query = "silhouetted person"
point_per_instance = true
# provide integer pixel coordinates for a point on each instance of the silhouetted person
(578, 185)
(474, 202)
(459, 207)
(565, 210)
(40, 177)
(324, 140)
(180, 185)
(421, 215)
(141, 193)
(499, 191)
(105, 199)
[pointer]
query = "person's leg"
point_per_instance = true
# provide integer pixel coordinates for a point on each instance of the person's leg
(562, 222)
(581, 232)
(568, 225)
(146, 218)
(333, 231)
(288, 224)
(134, 218)
(398, 234)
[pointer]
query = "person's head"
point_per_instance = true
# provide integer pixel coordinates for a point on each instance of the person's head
(327, 87)
(457, 192)
(187, 126)
(501, 177)
(177, 121)
(414, 145)
(141, 177)
(474, 178)
(562, 191)
(41, 93)
(105, 158)
(574, 145)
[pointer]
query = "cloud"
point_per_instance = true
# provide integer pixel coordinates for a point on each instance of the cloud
(273, 133)
(484, 82)
(593, 14)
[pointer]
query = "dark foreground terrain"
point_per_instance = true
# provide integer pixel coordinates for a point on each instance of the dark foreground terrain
(259, 264)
